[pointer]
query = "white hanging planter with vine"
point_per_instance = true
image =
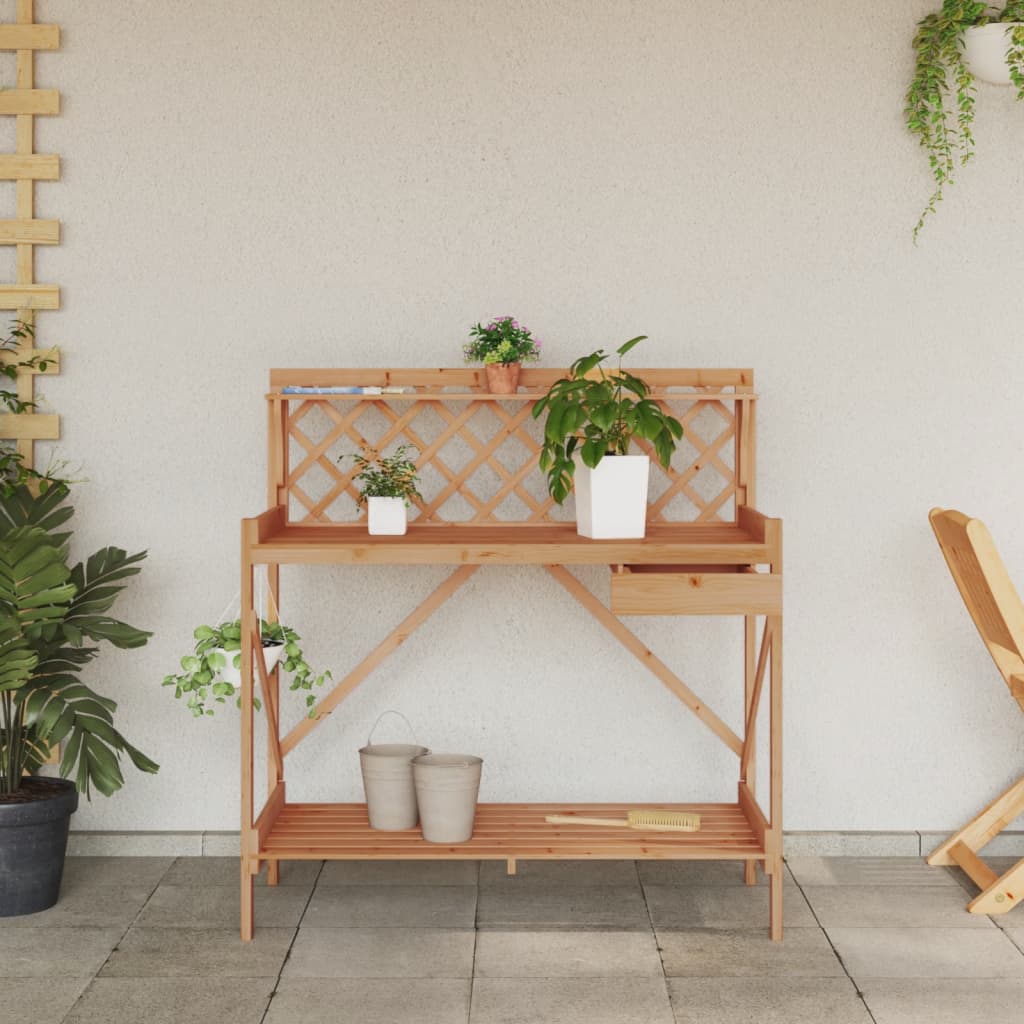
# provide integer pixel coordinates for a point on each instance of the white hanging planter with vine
(985, 50)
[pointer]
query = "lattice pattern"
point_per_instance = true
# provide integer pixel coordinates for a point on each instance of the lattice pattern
(25, 167)
(478, 457)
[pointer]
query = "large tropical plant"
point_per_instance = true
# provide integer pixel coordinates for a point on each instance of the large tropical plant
(940, 101)
(52, 616)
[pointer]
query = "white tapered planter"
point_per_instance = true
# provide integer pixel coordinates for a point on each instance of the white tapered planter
(232, 675)
(386, 516)
(985, 48)
(611, 500)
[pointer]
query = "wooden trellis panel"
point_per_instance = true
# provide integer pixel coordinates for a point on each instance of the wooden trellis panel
(25, 167)
(477, 453)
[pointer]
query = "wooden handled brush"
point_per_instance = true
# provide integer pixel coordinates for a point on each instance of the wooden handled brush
(653, 821)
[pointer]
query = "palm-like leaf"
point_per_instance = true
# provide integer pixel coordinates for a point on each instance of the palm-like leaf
(34, 580)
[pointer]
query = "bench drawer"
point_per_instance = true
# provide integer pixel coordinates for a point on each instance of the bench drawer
(696, 593)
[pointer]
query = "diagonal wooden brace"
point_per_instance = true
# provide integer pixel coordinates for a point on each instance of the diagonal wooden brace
(647, 658)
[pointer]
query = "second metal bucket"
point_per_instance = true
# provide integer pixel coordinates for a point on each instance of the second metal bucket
(387, 781)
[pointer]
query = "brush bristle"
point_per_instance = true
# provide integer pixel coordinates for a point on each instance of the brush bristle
(669, 821)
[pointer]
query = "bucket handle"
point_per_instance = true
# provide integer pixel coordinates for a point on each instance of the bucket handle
(412, 732)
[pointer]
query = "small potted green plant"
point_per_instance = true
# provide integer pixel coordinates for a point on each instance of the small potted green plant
(502, 346)
(388, 483)
(592, 416)
(962, 41)
(212, 672)
(53, 618)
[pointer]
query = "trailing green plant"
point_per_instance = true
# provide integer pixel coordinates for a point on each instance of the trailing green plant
(502, 341)
(201, 678)
(944, 128)
(598, 415)
(13, 471)
(52, 616)
(389, 476)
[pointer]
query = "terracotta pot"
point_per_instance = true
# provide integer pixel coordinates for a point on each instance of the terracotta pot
(503, 378)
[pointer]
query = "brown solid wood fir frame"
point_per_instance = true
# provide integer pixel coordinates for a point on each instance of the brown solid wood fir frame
(712, 565)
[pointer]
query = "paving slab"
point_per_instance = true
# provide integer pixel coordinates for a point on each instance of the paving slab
(381, 953)
(748, 953)
(567, 907)
(168, 1001)
(699, 873)
(766, 1001)
(120, 871)
(724, 906)
(339, 1001)
(38, 1000)
(927, 953)
(945, 1000)
(913, 906)
(101, 906)
(396, 906)
(198, 953)
(399, 872)
(217, 906)
(226, 871)
(54, 952)
(559, 872)
(875, 871)
(570, 1001)
(554, 954)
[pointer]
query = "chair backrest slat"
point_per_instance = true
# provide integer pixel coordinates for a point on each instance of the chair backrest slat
(986, 589)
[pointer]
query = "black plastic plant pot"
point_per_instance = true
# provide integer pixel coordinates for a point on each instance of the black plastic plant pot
(33, 839)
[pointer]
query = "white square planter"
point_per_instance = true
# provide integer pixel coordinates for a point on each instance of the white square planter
(386, 516)
(611, 501)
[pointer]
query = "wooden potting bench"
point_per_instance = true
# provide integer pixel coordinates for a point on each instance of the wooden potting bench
(707, 552)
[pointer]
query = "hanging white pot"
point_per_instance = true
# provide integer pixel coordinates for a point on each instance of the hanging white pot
(386, 516)
(985, 48)
(611, 500)
(271, 656)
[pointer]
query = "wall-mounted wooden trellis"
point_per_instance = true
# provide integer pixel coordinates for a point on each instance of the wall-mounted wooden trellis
(24, 231)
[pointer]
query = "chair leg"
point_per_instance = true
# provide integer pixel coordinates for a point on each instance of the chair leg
(989, 823)
(775, 884)
(1003, 894)
(750, 872)
(273, 872)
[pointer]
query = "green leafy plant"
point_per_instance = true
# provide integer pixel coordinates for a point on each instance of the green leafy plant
(52, 615)
(503, 341)
(201, 678)
(390, 476)
(13, 471)
(598, 413)
(944, 129)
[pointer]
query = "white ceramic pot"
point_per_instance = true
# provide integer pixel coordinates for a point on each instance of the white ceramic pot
(232, 675)
(985, 49)
(386, 516)
(611, 500)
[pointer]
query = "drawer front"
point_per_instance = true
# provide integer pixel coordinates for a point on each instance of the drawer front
(696, 593)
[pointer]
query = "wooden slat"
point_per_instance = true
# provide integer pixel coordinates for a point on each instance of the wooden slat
(30, 167)
(29, 37)
(518, 831)
(29, 232)
(1003, 894)
(974, 867)
(696, 594)
(543, 544)
(29, 296)
(986, 825)
(33, 425)
(29, 101)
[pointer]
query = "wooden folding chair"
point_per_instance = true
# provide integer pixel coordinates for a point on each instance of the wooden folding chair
(998, 613)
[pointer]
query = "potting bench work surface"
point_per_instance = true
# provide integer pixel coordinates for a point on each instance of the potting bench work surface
(707, 551)
(153, 940)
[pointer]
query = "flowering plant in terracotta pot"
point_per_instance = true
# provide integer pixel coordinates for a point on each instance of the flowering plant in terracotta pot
(502, 346)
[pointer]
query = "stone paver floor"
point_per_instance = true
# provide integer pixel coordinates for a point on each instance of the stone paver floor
(150, 940)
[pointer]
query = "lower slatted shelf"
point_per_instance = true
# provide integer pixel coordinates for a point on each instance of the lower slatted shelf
(501, 831)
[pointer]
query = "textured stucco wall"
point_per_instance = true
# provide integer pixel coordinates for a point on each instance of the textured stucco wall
(249, 184)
